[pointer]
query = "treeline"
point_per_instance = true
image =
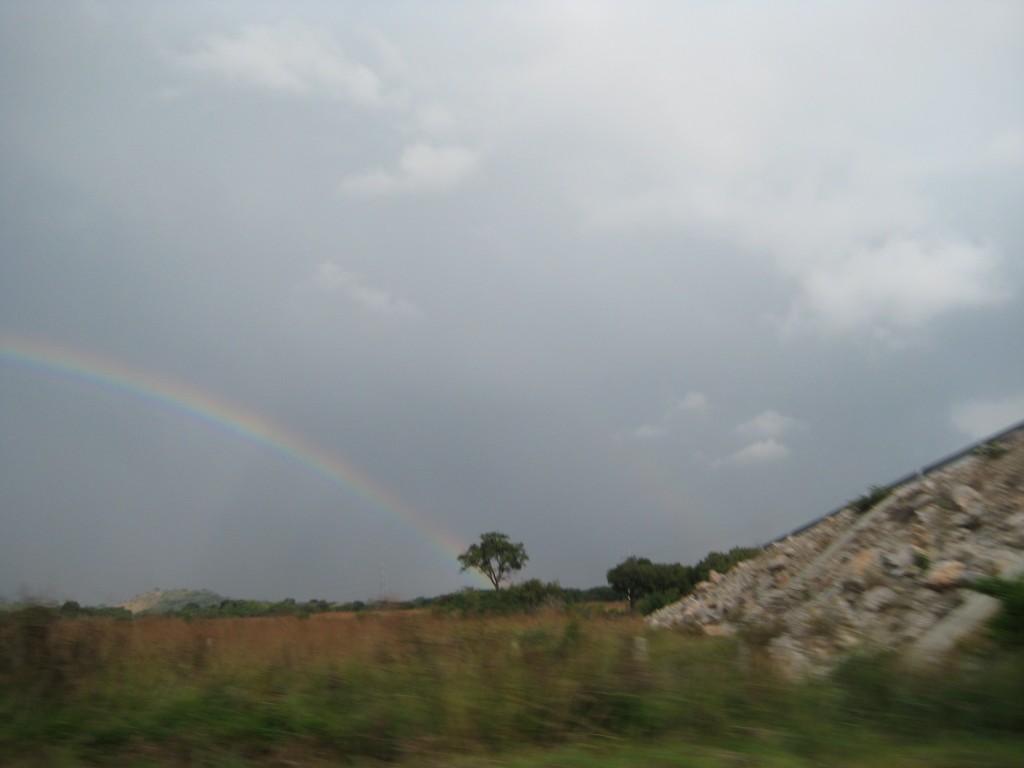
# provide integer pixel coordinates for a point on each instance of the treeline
(648, 586)
(645, 585)
(289, 606)
(529, 596)
(69, 609)
(190, 610)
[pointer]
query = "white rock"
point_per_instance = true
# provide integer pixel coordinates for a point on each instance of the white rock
(877, 598)
(969, 500)
(945, 575)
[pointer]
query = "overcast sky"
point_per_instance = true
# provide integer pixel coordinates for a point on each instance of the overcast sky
(645, 277)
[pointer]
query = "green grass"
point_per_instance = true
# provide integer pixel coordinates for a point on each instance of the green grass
(762, 751)
(429, 690)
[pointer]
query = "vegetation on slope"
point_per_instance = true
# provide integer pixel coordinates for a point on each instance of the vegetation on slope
(648, 586)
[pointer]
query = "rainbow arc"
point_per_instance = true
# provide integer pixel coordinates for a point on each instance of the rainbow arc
(221, 415)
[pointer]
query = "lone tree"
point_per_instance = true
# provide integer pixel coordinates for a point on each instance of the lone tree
(638, 577)
(495, 557)
(634, 577)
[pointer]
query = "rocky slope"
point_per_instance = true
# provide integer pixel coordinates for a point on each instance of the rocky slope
(892, 577)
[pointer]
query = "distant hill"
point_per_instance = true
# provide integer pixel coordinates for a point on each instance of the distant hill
(170, 600)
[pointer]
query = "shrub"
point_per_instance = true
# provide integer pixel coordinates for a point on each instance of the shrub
(875, 495)
(1008, 626)
(992, 450)
(529, 596)
(657, 600)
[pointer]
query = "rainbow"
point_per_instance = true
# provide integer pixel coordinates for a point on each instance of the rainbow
(225, 417)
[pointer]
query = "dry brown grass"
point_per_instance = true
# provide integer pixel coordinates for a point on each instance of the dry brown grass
(395, 685)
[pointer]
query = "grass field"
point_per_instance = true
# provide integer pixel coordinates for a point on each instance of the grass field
(426, 689)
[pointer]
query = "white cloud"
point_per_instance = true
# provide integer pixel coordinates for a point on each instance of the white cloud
(834, 166)
(764, 433)
(294, 59)
(981, 418)
(864, 258)
(691, 401)
(329, 278)
(758, 452)
(421, 167)
(900, 284)
(650, 431)
(1007, 147)
(434, 119)
(767, 424)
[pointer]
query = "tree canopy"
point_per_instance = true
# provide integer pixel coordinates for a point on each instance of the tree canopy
(495, 556)
(637, 577)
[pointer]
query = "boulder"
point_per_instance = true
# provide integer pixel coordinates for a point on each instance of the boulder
(1014, 526)
(945, 575)
(877, 598)
(862, 570)
(968, 500)
(899, 560)
(966, 520)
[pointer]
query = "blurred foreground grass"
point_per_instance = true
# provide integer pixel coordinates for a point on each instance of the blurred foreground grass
(547, 689)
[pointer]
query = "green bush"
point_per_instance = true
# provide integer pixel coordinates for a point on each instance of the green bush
(1008, 626)
(992, 450)
(657, 600)
(529, 596)
(863, 503)
(640, 581)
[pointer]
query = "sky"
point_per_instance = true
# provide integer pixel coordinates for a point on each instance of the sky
(299, 299)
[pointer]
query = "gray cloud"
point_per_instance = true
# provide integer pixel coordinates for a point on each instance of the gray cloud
(330, 279)
(288, 58)
(898, 285)
(767, 449)
(670, 418)
(767, 424)
(421, 167)
(980, 418)
(653, 278)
